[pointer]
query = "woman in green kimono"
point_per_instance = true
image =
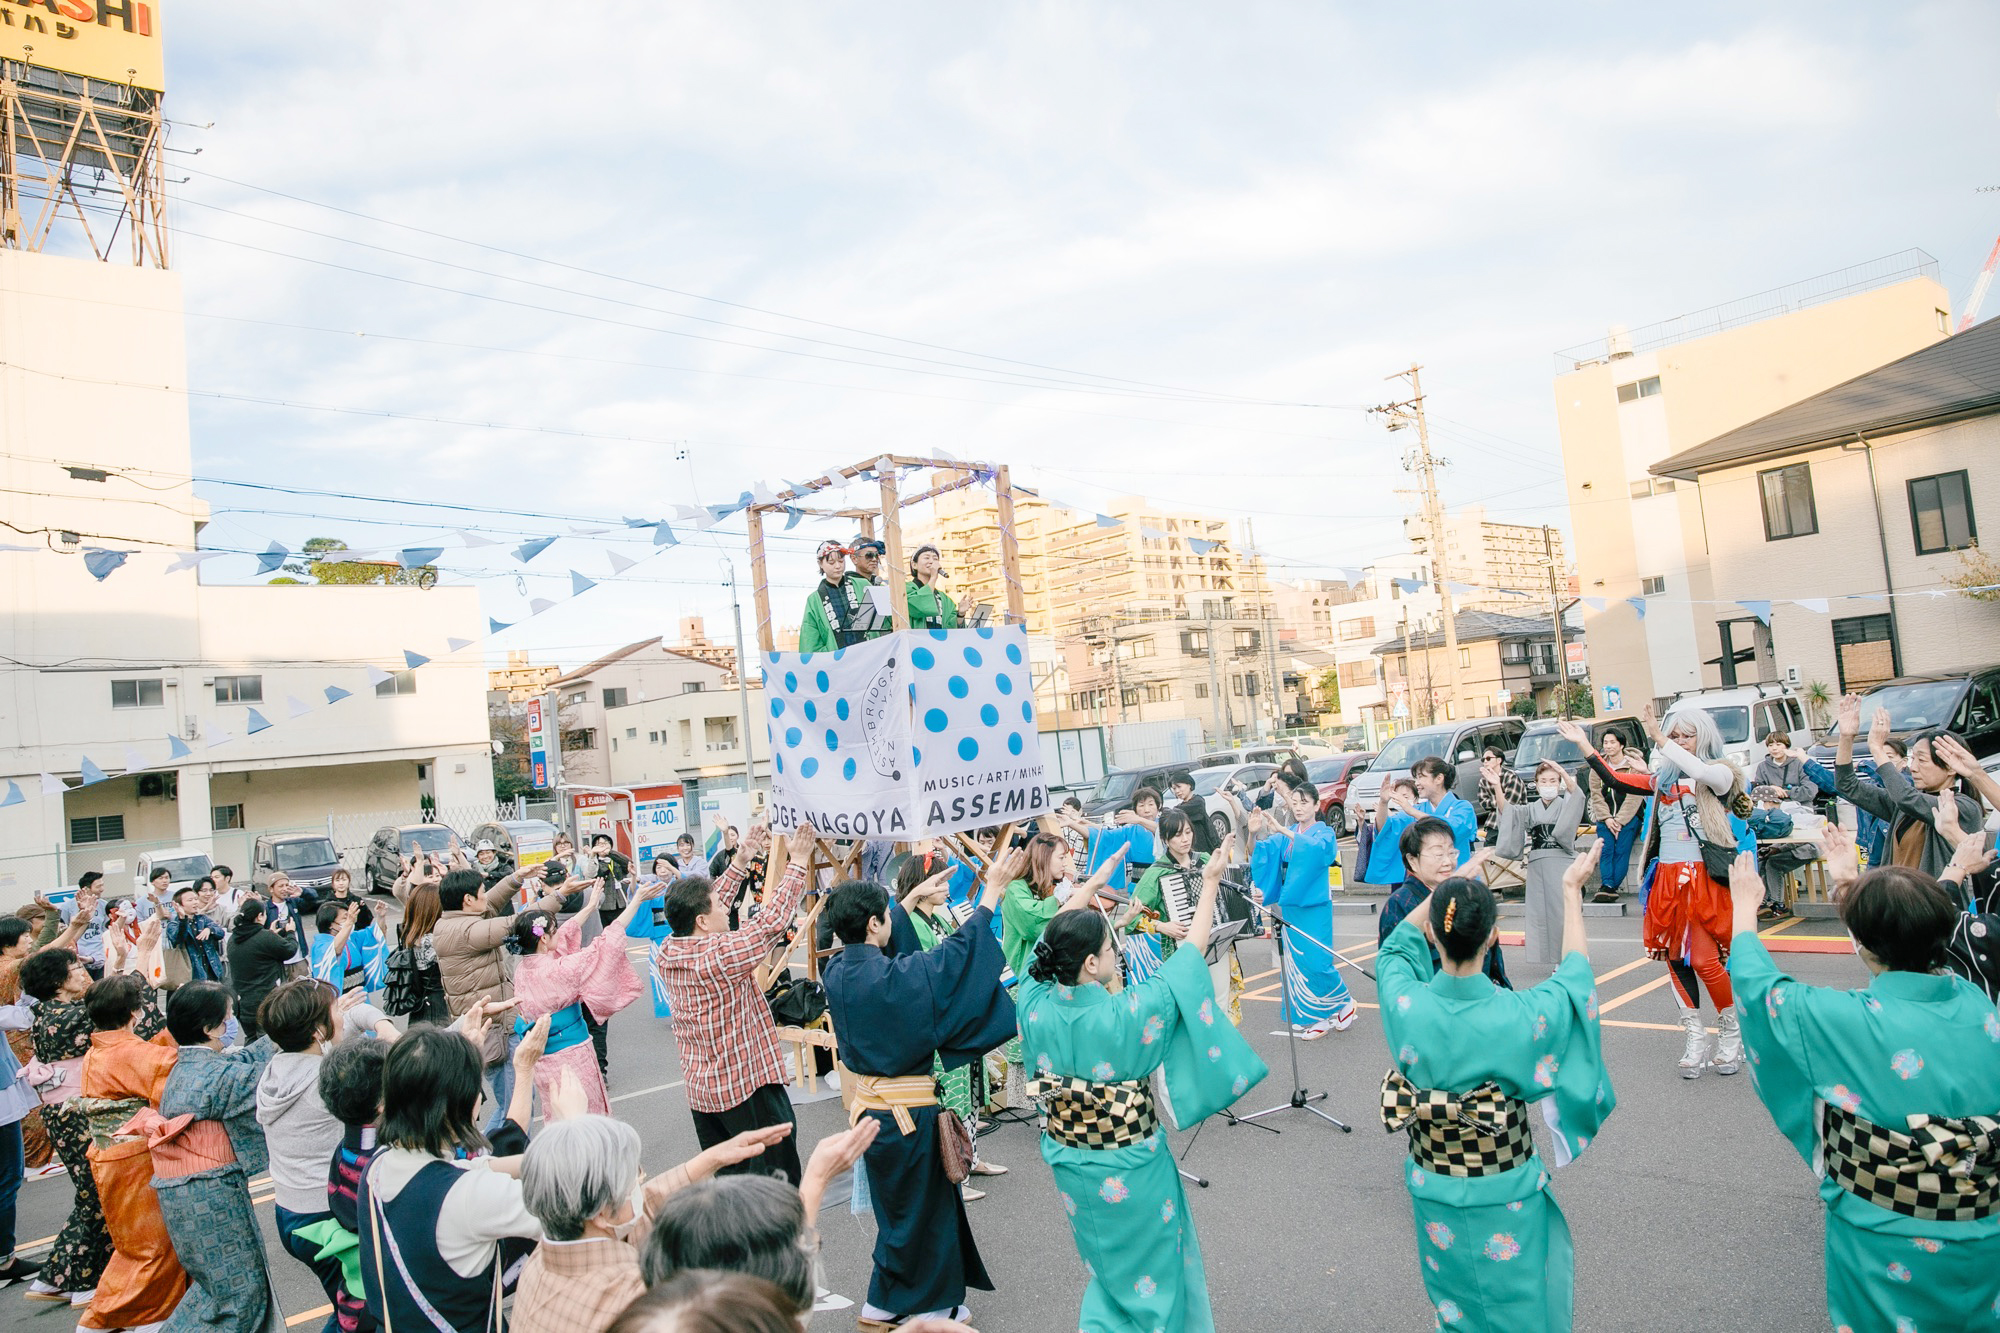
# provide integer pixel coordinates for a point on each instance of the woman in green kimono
(929, 607)
(1891, 1092)
(1049, 887)
(1469, 1058)
(1092, 1044)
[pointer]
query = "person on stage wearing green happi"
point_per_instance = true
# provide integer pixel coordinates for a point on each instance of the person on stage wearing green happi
(1891, 1093)
(1091, 1045)
(1470, 1057)
(930, 606)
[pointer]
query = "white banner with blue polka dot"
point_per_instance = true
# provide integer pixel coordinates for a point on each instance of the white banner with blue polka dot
(905, 736)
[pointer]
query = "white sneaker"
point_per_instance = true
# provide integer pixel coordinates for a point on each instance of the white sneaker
(78, 1299)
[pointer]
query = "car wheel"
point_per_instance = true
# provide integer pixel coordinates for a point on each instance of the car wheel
(1336, 819)
(1220, 827)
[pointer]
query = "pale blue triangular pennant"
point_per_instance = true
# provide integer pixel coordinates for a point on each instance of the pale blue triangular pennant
(1758, 607)
(1638, 604)
(190, 560)
(792, 516)
(334, 694)
(376, 675)
(528, 550)
(664, 535)
(274, 555)
(579, 585)
(13, 796)
(91, 772)
(473, 539)
(453, 645)
(415, 557)
(256, 722)
(1106, 521)
(101, 562)
(495, 626)
(413, 659)
(177, 749)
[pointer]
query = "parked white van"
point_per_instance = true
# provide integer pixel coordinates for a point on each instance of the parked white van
(1745, 714)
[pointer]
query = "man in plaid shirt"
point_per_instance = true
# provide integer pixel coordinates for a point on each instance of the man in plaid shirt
(729, 1049)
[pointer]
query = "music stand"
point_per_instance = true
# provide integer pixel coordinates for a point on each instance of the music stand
(981, 616)
(1300, 1100)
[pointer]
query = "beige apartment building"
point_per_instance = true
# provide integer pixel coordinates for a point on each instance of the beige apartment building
(646, 670)
(1636, 398)
(1855, 515)
(1501, 659)
(1492, 560)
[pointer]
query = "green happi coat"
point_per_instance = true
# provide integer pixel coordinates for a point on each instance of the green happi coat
(1125, 1205)
(929, 608)
(1495, 1249)
(1911, 1043)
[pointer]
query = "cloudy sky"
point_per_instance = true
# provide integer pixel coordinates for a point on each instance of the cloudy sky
(669, 251)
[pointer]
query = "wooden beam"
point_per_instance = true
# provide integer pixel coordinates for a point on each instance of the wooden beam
(760, 583)
(1010, 546)
(892, 531)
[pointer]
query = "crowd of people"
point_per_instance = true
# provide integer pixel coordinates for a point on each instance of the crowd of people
(386, 1077)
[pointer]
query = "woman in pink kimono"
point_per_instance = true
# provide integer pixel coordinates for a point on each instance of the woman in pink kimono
(560, 976)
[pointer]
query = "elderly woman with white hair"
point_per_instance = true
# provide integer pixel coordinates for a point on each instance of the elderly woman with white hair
(1696, 794)
(581, 1180)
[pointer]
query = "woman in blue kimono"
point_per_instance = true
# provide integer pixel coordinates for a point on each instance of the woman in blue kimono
(1093, 1045)
(1470, 1057)
(206, 1145)
(1290, 867)
(1891, 1093)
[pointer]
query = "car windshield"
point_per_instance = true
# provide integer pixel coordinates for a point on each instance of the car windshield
(185, 867)
(1539, 745)
(1324, 770)
(304, 854)
(1733, 723)
(1406, 750)
(1206, 780)
(1115, 787)
(429, 839)
(1914, 707)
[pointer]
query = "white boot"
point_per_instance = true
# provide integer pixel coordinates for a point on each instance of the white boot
(1698, 1047)
(1728, 1043)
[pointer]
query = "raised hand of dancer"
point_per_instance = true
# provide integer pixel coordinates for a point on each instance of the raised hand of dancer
(1085, 896)
(752, 845)
(1969, 857)
(1574, 734)
(1575, 938)
(567, 1100)
(1843, 865)
(1002, 870)
(1746, 893)
(830, 1156)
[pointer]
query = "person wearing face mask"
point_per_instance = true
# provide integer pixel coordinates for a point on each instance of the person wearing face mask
(580, 1179)
(930, 607)
(1093, 1050)
(1543, 829)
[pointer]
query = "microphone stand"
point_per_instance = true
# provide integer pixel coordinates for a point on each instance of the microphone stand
(1301, 1100)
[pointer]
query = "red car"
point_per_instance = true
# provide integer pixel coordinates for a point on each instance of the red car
(1331, 776)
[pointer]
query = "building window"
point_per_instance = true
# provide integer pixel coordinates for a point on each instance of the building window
(720, 732)
(1864, 651)
(239, 690)
(1943, 321)
(222, 817)
(1645, 388)
(1515, 652)
(1356, 673)
(1246, 641)
(1788, 502)
(576, 698)
(97, 828)
(1465, 657)
(1361, 628)
(137, 694)
(631, 733)
(1652, 585)
(585, 739)
(1128, 698)
(1201, 689)
(1646, 486)
(1137, 648)
(691, 687)
(1941, 513)
(653, 736)
(399, 682)
(614, 697)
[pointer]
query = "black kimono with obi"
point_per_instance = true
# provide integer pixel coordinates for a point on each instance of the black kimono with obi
(894, 1013)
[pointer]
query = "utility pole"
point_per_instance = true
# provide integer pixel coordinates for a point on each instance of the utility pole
(1270, 631)
(742, 676)
(1400, 415)
(1117, 673)
(1556, 618)
(1222, 735)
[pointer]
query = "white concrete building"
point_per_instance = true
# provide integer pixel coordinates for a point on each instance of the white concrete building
(95, 458)
(638, 672)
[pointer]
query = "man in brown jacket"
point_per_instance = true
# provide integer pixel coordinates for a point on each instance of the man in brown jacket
(470, 939)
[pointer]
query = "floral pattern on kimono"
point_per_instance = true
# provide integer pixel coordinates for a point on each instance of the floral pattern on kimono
(1495, 1250)
(597, 976)
(1909, 1043)
(1125, 1205)
(144, 1280)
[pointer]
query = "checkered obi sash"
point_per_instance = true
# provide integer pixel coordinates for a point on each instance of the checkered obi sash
(1940, 1171)
(1478, 1133)
(1083, 1114)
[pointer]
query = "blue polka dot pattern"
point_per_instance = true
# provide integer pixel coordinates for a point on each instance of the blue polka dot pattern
(808, 767)
(937, 720)
(989, 715)
(820, 680)
(840, 709)
(968, 749)
(792, 737)
(1004, 684)
(1014, 743)
(922, 659)
(1014, 653)
(811, 711)
(972, 657)
(958, 687)
(777, 707)
(832, 739)
(847, 770)
(1027, 711)
(791, 683)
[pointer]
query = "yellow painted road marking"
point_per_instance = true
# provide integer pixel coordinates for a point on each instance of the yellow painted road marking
(307, 1316)
(1616, 972)
(1634, 993)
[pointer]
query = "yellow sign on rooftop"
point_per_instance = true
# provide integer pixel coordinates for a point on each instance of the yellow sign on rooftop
(117, 41)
